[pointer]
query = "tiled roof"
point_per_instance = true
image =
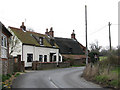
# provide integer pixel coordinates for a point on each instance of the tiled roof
(4, 29)
(27, 37)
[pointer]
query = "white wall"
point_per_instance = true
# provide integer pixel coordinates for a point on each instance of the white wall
(36, 51)
(18, 47)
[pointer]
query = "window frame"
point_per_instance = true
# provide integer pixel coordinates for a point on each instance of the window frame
(45, 58)
(4, 52)
(27, 57)
(4, 41)
(41, 40)
(41, 58)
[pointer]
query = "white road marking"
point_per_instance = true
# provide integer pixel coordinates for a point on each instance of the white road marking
(52, 82)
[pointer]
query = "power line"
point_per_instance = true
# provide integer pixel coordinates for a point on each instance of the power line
(115, 24)
(99, 29)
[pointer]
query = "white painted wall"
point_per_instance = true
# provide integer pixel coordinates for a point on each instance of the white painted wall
(18, 48)
(36, 51)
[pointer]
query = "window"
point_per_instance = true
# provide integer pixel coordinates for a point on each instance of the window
(2, 41)
(54, 58)
(4, 46)
(40, 58)
(41, 41)
(5, 42)
(59, 58)
(45, 58)
(29, 57)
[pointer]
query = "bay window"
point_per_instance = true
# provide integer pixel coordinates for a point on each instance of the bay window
(4, 46)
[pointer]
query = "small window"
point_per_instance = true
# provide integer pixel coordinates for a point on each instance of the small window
(59, 58)
(40, 58)
(54, 58)
(5, 41)
(41, 41)
(45, 58)
(2, 41)
(29, 57)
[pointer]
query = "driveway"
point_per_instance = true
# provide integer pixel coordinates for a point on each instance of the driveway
(58, 78)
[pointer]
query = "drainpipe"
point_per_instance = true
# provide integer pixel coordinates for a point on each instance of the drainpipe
(34, 53)
(22, 51)
(57, 55)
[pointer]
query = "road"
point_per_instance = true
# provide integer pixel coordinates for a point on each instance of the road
(59, 78)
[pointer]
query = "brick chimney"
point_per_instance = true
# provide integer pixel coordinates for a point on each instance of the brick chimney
(73, 35)
(23, 27)
(51, 32)
(47, 33)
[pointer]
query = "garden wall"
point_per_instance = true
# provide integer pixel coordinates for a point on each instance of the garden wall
(49, 65)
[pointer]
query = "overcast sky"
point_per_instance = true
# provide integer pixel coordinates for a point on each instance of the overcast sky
(64, 16)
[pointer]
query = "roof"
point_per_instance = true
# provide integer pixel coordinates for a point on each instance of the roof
(74, 56)
(69, 46)
(5, 30)
(31, 38)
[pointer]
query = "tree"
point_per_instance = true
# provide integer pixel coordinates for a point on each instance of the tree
(30, 29)
(94, 47)
(14, 44)
(94, 51)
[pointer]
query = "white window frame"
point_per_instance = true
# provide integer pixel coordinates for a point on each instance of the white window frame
(3, 47)
(41, 40)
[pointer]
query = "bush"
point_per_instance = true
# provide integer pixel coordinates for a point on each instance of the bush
(5, 77)
(17, 74)
(115, 83)
(92, 56)
(101, 78)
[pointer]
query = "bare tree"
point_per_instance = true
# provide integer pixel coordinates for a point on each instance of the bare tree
(30, 29)
(14, 44)
(95, 47)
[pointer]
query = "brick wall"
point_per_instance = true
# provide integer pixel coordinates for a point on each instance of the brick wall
(40, 66)
(4, 67)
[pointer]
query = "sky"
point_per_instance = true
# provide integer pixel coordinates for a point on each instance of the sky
(65, 16)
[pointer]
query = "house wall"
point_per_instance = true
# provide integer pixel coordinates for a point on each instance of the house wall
(36, 51)
(18, 47)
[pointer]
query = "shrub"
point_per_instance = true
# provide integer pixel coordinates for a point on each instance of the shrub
(5, 77)
(101, 78)
(17, 74)
(115, 83)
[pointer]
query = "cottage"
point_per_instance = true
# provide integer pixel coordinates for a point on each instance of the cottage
(70, 48)
(4, 54)
(32, 46)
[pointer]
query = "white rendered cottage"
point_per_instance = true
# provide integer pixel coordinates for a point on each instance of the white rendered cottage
(33, 46)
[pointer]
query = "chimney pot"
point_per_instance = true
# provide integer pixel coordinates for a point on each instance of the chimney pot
(23, 26)
(51, 32)
(47, 33)
(73, 35)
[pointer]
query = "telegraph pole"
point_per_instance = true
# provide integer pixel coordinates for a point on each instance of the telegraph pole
(109, 24)
(86, 34)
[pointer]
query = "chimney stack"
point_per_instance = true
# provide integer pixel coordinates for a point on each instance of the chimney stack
(73, 35)
(47, 33)
(23, 27)
(51, 32)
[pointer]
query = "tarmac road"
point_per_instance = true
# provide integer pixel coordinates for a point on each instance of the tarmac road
(58, 78)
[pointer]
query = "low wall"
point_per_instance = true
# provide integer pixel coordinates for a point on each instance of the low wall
(40, 66)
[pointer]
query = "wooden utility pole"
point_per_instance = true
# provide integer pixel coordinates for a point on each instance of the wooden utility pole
(109, 24)
(86, 34)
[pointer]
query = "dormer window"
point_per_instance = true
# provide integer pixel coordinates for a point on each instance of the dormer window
(41, 40)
